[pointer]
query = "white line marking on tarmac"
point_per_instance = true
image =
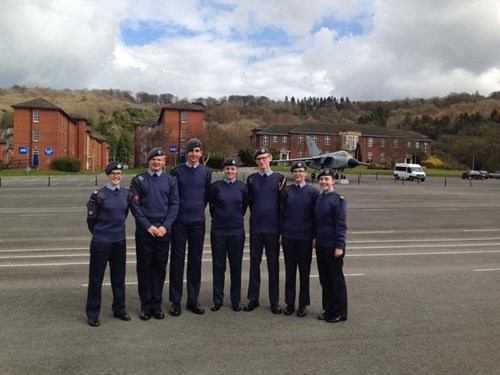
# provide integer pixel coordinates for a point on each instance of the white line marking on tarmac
(481, 230)
(487, 269)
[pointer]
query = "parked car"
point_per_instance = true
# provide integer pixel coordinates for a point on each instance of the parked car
(485, 174)
(471, 174)
(495, 174)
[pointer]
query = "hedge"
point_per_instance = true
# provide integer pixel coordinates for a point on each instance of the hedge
(66, 164)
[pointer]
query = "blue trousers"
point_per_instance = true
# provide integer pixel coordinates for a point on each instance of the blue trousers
(331, 278)
(269, 242)
(152, 258)
(102, 253)
(227, 247)
(298, 254)
(192, 233)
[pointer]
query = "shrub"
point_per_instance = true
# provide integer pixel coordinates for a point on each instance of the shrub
(215, 162)
(432, 162)
(66, 164)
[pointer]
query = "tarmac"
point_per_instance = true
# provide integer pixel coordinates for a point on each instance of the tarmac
(422, 270)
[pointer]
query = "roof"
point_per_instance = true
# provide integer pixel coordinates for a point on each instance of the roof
(185, 105)
(38, 103)
(335, 128)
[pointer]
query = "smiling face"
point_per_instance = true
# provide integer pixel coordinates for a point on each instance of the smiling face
(299, 175)
(230, 172)
(194, 156)
(263, 161)
(115, 177)
(326, 182)
(156, 163)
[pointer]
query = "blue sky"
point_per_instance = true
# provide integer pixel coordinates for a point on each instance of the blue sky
(366, 50)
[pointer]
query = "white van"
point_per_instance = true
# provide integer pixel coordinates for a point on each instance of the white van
(409, 172)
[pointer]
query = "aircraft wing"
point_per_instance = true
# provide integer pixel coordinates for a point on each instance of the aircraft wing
(299, 159)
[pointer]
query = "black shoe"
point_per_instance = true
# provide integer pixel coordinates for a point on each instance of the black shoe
(276, 309)
(322, 316)
(289, 309)
(336, 318)
(196, 308)
(175, 309)
(158, 314)
(236, 307)
(301, 312)
(215, 307)
(123, 316)
(93, 322)
(144, 315)
(251, 306)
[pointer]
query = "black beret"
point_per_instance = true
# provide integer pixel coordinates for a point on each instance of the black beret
(298, 164)
(113, 166)
(327, 172)
(229, 161)
(192, 143)
(157, 151)
(260, 151)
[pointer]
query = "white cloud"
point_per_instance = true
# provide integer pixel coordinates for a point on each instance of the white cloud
(407, 49)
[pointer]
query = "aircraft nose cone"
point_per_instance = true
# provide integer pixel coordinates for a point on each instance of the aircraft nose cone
(351, 163)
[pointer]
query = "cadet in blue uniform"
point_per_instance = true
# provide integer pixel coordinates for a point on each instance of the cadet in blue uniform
(264, 189)
(107, 210)
(330, 244)
(194, 181)
(155, 203)
(228, 200)
(297, 207)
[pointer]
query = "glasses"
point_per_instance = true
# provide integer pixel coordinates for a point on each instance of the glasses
(262, 158)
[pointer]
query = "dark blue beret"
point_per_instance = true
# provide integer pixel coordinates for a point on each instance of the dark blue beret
(229, 161)
(298, 164)
(157, 151)
(327, 172)
(113, 166)
(260, 151)
(192, 143)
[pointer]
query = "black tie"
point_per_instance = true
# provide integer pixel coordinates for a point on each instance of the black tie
(155, 176)
(116, 189)
(265, 175)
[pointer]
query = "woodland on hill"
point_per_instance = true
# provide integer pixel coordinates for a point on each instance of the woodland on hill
(464, 126)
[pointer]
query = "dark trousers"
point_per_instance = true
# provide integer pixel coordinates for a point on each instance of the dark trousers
(194, 234)
(298, 253)
(152, 258)
(332, 281)
(257, 244)
(102, 253)
(227, 247)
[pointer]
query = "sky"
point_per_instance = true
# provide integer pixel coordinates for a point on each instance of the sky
(363, 50)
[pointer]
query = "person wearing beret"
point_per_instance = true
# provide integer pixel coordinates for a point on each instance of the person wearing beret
(330, 243)
(264, 188)
(228, 202)
(194, 180)
(297, 209)
(155, 203)
(107, 210)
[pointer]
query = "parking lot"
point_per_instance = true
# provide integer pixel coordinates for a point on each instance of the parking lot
(422, 270)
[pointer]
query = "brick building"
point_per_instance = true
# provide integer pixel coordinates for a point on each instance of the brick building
(367, 143)
(177, 123)
(44, 132)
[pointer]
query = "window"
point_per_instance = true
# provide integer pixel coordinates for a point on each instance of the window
(183, 135)
(301, 139)
(36, 115)
(327, 140)
(184, 117)
(350, 142)
(370, 142)
(382, 157)
(370, 156)
(284, 139)
(425, 147)
(382, 142)
(315, 138)
(409, 144)
(395, 142)
(300, 153)
(36, 135)
(417, 144)
(265, 140)
(275, 139)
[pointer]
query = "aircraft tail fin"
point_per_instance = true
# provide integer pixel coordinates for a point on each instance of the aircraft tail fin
(311, 146)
